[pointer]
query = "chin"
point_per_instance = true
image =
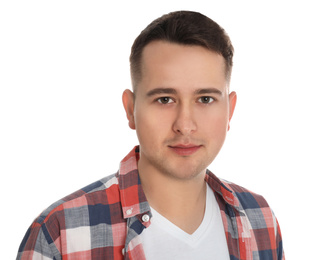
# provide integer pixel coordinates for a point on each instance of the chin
(186, 171)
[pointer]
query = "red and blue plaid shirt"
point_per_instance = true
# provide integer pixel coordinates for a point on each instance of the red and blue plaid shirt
(105, 219)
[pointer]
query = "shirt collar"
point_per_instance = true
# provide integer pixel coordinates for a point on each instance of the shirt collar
(133, 199)
(223, 189)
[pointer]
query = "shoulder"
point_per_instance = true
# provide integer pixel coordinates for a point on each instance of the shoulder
(69, 220)
(254, 207)
(235, 194)
(92, 194)
(252, 214)
(247, 198)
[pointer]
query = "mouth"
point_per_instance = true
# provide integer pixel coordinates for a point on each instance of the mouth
(185, 150)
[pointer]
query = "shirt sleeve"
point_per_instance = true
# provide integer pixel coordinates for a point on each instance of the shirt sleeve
(37, 244)
(280, 250)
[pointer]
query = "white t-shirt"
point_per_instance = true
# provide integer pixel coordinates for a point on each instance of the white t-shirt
(164, 240)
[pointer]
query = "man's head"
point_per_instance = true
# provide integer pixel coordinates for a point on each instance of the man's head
(185, 28)
(181, 106)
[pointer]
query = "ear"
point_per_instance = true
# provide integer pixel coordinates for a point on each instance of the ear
(232, 105)
(128, 103)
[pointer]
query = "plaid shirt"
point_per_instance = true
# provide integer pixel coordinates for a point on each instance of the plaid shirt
(104, 221)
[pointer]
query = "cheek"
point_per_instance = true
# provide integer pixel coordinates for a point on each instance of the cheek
(150, 125)
(215, 126)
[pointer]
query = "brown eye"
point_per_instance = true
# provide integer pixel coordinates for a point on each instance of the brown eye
(165, 100)
(206, 100)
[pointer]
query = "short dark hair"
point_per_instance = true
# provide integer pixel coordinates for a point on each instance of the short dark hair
(186, 28)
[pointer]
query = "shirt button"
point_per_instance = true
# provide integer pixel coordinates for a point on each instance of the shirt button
(146, 218)
(129, 211)
(229, 199)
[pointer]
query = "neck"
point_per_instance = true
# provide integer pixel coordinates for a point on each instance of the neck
(180, 201)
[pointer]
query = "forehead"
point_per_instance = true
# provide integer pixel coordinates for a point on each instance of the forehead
(173, 65)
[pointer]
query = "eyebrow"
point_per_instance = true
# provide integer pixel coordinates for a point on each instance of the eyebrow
(208, 91)
(201, 91)
(157, 91)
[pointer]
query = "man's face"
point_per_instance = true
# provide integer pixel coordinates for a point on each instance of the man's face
(181, 110)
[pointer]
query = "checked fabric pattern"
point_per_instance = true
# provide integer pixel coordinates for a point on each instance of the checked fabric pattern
(104, 221)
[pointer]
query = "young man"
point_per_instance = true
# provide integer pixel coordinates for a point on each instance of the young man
(163, 203)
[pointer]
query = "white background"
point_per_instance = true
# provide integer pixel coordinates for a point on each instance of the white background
(64, 65)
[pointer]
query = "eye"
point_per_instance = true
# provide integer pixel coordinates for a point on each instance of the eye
(206, 100)
(164, 100)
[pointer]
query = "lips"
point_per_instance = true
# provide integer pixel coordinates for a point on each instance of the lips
(185, 150)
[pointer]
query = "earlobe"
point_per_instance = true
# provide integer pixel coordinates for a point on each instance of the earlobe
(128, 103)
(232, 105)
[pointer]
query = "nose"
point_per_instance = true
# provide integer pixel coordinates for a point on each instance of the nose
(185, 123)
